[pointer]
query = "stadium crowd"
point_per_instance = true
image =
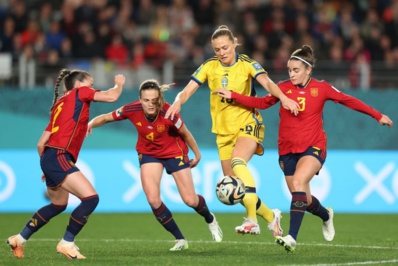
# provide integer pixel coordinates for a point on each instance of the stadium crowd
(349, 34)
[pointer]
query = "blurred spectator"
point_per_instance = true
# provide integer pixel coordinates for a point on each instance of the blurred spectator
(154, 31)
(89, 48)
(45, 16)
(6, 35)
(181, 18)
(19, 14)
(54, 36)
(66, 53)
(226, 14)
(31, 33)
(392, 24)
(117, 51)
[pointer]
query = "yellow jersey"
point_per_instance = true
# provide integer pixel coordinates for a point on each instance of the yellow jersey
(229, 117)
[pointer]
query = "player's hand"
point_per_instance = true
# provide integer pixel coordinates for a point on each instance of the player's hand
(194, 162)
(385, 121)
(174, 109)
(120, 80)
(290, 104)
(89, 129)
(227, 94)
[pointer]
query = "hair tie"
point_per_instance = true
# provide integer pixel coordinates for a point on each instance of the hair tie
(301, 59)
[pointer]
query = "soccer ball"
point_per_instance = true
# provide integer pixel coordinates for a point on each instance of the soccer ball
(230, 190)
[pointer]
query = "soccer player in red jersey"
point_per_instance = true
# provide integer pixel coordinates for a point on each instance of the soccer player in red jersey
(163, 144)
(302, 140)
(59, 148)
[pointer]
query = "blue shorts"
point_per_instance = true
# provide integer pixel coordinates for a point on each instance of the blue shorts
(170, 164)
(57, 165)
(289, 161)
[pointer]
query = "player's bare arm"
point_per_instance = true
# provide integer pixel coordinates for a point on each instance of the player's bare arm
(112, 94)
(99, 121)
(182, 98)
(43, 141)
(272, 88)
(191, 142)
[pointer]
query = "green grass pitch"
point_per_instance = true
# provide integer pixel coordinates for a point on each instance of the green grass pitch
(138, 239)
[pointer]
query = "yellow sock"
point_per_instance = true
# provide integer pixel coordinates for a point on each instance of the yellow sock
(265, 212)
(250, 200)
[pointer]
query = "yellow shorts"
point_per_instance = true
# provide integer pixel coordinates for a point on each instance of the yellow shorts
(226, 143)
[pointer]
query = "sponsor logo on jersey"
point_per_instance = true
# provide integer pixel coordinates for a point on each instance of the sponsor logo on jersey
(161, 128)
(257, 66)
(314, 92)
(289, 92)
(138, 124)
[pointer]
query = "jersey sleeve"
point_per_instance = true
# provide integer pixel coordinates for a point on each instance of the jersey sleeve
(256, 69)
(255, 102)
(119, 114)
(200, 75)
(352, 102)
(178, 122)
(86, 94)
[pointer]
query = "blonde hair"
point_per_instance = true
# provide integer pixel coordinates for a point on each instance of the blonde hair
(224, 31)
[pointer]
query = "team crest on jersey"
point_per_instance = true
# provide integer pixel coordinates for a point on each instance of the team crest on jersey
(257, 66)
(161, 128)
(314, 92)
(224, 82)
(119, 112)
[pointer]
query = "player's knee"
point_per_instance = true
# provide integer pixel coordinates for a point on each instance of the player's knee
(297, 185)
(191, 201)
(154, 202)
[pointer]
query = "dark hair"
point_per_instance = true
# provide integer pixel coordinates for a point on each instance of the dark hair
(153, 84)
(304, 54)
(223, 31)
(69, 78)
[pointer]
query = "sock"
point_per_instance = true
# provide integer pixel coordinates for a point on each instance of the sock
(317, 209)
(264, 211)
(79, 217)
(297, 210)
(165, 218)
(250, 200)
(41, 218)
(203, 210)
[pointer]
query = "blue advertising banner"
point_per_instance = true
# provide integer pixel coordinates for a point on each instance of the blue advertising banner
(350, 182)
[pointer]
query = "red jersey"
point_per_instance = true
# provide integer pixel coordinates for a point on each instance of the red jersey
(69, 119)
(297, 133)
(159, 137)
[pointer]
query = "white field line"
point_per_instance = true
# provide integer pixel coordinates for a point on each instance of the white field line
(374, 262)
(223, 242)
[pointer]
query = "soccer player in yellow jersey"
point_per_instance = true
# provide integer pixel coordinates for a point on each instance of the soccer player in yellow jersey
(239, 130)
